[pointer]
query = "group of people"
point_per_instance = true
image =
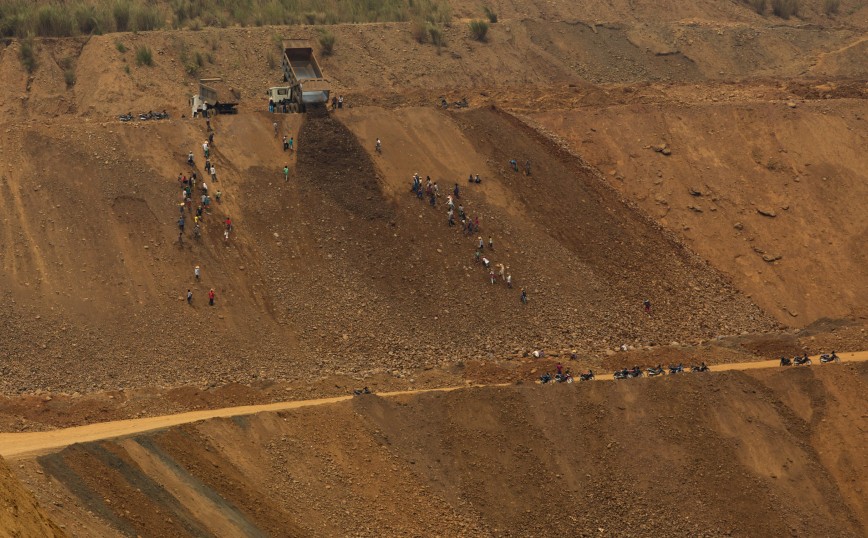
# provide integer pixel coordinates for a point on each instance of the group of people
(469, 225)
(192, 187)
(514, 165)
(195, 192)
(288, 145)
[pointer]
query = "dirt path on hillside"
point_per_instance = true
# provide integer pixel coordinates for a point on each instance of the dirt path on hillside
(18, 445)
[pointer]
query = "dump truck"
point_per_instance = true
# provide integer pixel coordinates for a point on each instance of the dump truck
(306, 85)
(215, 96)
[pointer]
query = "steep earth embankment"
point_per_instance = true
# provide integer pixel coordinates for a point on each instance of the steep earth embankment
(338, 268)
(710, 455)
(20, 514)
(768, 193)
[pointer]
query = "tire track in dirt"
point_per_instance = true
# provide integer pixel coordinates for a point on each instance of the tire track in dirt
(23, 445)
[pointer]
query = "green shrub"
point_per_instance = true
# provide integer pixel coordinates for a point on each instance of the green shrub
(433, 11)
(327, 42)
(144, 56)
(146, 18)
(91, 20)
(121, 47)
(194, 64)
(27, 54)
(54, 21)
(492, 16)
(69, 77)
(479, 30)
(419, 30)
(121, 14)
(785, 8)
(831, 7)
(436, 34)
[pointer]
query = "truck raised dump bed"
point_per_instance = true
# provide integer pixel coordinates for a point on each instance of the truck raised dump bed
(307, 86)
(216, 96)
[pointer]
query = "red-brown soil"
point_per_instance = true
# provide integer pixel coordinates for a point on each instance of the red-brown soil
(712, 455)
(339, 279)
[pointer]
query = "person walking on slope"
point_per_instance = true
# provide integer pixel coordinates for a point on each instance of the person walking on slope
(509, 281)
(285, 143)
(285, 172)
(523, 296)
(211, 297)
(213, 174)
(491, 276)
(481, 245)
(291, 144)
(197, 272)
(647, 304)
(189, 297)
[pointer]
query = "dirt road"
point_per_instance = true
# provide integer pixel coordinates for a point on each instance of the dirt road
(19, 445)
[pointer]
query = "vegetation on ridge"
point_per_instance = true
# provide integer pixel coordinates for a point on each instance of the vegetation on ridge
(44, 18)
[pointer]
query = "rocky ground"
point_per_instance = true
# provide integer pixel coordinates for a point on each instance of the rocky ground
(698, 455)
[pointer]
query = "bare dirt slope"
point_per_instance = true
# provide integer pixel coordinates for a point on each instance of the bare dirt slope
(719, 455)
(768, 193)
(20, 514)
(336, 263)
(340, 263)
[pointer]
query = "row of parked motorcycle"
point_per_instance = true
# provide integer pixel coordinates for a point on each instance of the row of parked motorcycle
(626, 373)
(804, 360)
(654, 371)
(145, 116)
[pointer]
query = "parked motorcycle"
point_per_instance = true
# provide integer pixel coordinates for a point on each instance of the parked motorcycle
(824, 359)
(654, 372)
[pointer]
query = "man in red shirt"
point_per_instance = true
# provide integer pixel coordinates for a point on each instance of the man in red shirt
(211, 297)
